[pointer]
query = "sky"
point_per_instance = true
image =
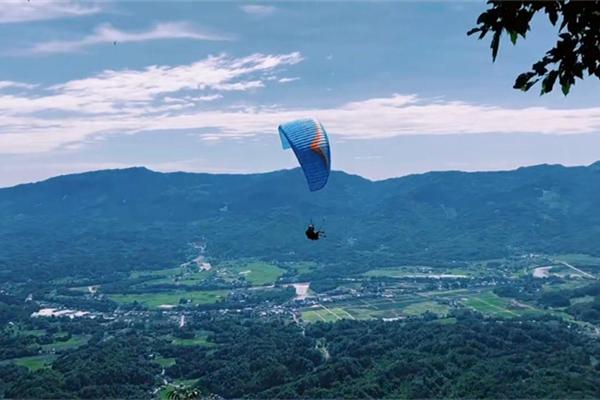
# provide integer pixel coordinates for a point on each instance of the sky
(202, 86)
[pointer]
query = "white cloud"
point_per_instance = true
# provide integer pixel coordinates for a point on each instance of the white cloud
(178, 98)
(16, 85)
(108, 34)
(14, 11)
(286, 80)
(118, 101)
(258, 10)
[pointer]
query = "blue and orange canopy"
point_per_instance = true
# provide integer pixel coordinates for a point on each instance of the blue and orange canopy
(309, 141)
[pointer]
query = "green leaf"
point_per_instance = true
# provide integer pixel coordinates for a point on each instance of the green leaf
(513, 37)
(472, 31)
(565, 88)
(552, 15)
(548, 82)
(522, 80)
(495, 44)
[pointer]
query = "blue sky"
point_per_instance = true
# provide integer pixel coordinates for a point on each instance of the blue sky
(202, 86)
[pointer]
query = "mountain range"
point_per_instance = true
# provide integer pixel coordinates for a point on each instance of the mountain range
(114, 221)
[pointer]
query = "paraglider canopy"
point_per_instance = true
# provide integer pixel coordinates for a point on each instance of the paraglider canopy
(309, 141)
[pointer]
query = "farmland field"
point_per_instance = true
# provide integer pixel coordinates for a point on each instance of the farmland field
(257, 273)
(154, 300)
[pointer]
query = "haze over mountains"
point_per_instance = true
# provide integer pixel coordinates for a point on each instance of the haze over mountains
(111, 221)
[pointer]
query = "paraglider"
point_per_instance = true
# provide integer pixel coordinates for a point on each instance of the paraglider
(308, 139)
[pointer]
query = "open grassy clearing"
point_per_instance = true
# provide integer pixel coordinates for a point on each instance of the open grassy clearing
(566, 285)
(197, 341)
(33, 362)
(74, 342)
(185, 278)
(164, 362)
(446, 321)
(305, 267)
(257, 273)
(584, 299)
(154, 300)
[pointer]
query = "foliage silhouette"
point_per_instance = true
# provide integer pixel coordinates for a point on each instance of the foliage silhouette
(576, 51)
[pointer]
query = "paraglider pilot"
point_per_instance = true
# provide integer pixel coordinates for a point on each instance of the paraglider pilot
(313, 234)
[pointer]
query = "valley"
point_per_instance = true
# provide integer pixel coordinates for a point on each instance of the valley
(107, 302)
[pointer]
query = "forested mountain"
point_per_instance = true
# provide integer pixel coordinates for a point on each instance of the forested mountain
(117, 220)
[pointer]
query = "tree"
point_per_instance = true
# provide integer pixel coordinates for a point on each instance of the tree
(576, 51)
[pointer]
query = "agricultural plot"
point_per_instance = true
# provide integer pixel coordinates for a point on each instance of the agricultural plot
(303, 268)
(156, 300)
(426, 306)
(325, 314)
(490, 304)
(374, 309)
(416, 273)
(257, 273)
(185, 278)
(446, 293)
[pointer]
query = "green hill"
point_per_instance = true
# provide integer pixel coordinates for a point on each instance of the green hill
(112, 221)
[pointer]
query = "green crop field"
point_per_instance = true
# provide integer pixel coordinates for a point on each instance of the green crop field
(154, 300)
(319, 314)
(187, 279)
(426, 306)
(415, 272)
(257, 273)
(490, 304)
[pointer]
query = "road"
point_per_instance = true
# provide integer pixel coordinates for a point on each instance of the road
(566, 264)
